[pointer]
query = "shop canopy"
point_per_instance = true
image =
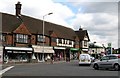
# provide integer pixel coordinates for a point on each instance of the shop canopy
(74, 49)
(84, 49)
(62, 48)
(18, 48)
(39, 49)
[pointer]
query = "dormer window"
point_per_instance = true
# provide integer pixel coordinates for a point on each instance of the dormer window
(21, 38)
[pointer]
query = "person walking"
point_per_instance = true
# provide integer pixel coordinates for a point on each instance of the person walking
(52, 59)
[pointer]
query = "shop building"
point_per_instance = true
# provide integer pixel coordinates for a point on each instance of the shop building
(22, 36)
(84, 40)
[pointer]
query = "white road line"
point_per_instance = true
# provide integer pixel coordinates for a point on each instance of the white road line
(6, 69)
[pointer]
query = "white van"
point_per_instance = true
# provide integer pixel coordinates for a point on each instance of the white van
(84, 59)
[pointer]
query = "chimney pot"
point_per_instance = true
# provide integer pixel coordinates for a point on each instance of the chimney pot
(18, 8)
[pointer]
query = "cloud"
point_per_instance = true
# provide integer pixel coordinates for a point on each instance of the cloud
(60, 12)
(38, 9)
(100, 18)
(97, 7)
(102, 27)
(93, 0)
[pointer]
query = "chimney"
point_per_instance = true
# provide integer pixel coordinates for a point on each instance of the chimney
(80, 28)
(18, 9)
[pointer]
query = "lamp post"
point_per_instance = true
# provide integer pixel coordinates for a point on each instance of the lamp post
(104, 48)
(43, 34)
(96, 50)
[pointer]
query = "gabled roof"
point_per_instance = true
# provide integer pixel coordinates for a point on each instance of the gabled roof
(82, 33)
(11, 22)
(22, 29)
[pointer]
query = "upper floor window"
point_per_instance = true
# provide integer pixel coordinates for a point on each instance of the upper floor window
(40, 38)
(64, 41)
(85, 43)
(53, 39)
(60, 41)
(70, 42)
(2, 37)
(77, 42)
(21, 38)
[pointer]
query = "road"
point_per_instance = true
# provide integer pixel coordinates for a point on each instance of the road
(57, 69)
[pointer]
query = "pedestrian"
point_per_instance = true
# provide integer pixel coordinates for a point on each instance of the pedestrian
(52, 59)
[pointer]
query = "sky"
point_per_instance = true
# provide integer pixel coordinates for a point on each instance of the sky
(98, 17)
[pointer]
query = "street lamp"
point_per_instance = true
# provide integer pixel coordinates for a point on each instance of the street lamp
(96, 50)
(43, 34)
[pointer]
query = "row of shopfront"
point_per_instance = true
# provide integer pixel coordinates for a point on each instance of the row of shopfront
(35, 53)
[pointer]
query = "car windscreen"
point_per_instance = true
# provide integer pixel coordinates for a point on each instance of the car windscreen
(83, 57)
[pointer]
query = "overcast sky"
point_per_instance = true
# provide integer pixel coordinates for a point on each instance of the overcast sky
(99, 17)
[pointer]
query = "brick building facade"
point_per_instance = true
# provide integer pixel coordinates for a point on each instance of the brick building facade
(22, 39)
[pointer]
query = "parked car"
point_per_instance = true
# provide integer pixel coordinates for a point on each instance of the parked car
(108, 62)
(84, 59)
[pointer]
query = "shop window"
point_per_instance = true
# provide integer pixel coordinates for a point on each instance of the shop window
(40, 38)
(21, 38)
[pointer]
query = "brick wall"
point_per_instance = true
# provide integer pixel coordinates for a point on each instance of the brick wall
(9, 39)
(53, 35)
(33, 39)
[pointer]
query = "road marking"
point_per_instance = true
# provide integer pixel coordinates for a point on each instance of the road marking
(6, 69)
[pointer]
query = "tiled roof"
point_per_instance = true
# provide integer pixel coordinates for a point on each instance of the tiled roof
(11, 22)
(81, 34)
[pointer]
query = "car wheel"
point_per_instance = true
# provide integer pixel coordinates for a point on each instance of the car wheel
(96, 67)
(116, 67)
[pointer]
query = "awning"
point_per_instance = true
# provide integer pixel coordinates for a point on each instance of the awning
(63, 48)
(74, 49)
(85, 49)
(39, 49)
(18, 49)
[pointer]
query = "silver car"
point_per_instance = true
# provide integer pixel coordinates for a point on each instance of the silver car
(107, 62)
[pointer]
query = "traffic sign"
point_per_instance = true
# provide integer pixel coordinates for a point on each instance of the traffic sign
(109, 44)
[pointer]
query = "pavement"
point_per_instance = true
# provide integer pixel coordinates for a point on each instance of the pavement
(5, 69)
(14, 64)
